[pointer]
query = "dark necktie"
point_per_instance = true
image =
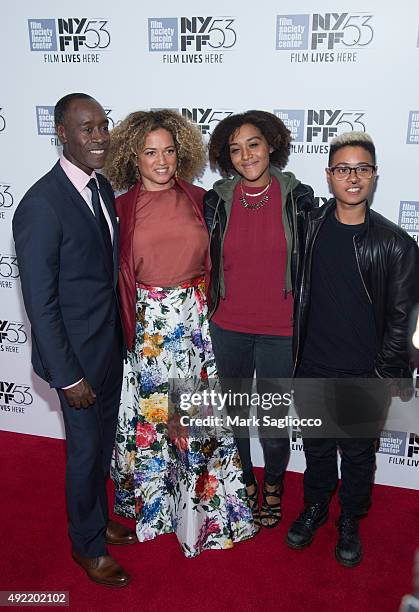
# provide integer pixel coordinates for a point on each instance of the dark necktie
(100, 217)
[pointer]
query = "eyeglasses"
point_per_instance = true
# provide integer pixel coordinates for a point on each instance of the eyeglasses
(343, 172)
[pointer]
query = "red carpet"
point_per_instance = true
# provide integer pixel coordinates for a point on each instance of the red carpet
(260, 574)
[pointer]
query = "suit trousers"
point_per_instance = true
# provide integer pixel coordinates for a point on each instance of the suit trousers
(90, 437)
(238, 356)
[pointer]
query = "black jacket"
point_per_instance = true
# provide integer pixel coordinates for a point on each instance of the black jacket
(388, 262)
(297, 198)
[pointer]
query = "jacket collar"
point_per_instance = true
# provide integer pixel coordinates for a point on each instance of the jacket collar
(319, 213)
(79, 201)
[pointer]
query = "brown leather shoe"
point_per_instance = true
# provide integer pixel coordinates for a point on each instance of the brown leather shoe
(118, 534)
(103, 570)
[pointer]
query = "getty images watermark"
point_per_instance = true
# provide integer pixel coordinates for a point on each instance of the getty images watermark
(191, 403)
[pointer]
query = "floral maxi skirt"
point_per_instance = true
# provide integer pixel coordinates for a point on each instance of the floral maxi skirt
(198, 492)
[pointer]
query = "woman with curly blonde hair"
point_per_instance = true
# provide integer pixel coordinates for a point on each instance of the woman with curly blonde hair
(189, 484)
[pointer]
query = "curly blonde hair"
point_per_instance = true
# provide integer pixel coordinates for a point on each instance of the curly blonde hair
(129, 136)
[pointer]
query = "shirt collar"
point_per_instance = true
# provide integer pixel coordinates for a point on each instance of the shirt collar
(75, 175)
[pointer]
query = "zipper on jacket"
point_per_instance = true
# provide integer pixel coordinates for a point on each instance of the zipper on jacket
(359, 270)
(220, 263)
(223, 235)
(298, 330)
(300, 296)
(214, 225)
(294, 206)
(296, 246)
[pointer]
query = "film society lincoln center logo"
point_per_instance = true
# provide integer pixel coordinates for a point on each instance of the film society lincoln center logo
(324, 37)
(191, 40)
(401, 447)
(409, 217)
(413, 128)
(312, 129)
(70, 39)
(46, 125)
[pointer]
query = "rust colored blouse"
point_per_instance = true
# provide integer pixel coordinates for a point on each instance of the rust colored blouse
(170, 242)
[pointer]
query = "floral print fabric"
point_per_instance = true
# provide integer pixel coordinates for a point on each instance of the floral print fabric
(198, 492)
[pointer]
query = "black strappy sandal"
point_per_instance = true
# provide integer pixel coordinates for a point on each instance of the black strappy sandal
(270, 514)
(254, 506)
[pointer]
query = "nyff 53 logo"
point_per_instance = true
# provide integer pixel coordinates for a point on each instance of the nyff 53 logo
(320, 200)
(2, 120)
(72, 39)
(413, 447)
(331, 37)
(6, 196)
(8, 266)
(296, 439)
(316, 127)
(205, 118)
(6, 199)
(9, 271)
(214, 32)
(12, 336)
(14, 397)
(198, 39)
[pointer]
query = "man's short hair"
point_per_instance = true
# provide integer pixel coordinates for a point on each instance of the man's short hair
(63, 104)
(352, 139)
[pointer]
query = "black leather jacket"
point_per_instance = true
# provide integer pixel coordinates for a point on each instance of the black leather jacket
(388, 262)
(298, 198)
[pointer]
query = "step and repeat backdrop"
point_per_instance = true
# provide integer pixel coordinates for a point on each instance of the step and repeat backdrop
(323, 68)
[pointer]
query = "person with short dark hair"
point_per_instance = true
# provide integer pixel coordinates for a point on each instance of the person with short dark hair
(255, 217)
(359, 283)
(66, 237)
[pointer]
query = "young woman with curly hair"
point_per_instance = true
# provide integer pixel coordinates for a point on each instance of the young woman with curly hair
(255, 216)
(189, 484)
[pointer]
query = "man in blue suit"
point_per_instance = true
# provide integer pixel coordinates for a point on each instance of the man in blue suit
(66, 237)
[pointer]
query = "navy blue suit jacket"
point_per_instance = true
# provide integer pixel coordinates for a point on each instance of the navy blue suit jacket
(69, 288)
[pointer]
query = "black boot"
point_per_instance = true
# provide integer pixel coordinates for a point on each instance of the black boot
(348, 550)
(301, 532)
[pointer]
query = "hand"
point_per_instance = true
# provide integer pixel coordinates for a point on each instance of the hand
(81, 395)
(403, 389)
(178, 433)
(181, 443)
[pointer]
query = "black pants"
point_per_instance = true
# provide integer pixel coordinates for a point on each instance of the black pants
(90, 436)
(238, 355)
(357, 453)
